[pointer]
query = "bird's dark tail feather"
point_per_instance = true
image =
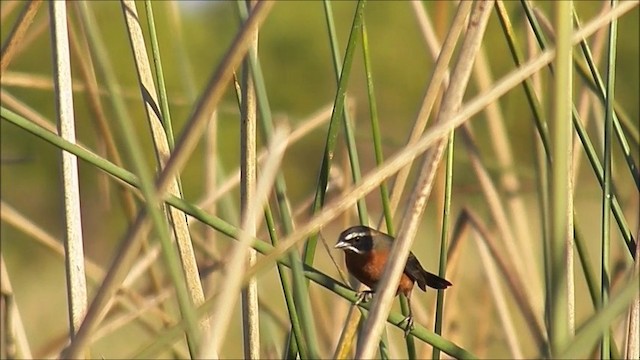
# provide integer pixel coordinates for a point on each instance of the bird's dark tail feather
(433, 281)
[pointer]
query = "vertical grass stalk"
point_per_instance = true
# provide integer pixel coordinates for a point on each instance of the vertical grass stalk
(444, 238)
(605, 267)
(74, 249)
(248, 176)
(561, 209)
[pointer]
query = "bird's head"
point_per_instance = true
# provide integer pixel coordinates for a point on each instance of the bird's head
(361, 239)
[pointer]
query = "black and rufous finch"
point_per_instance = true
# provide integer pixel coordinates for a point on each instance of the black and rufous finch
(366, 253)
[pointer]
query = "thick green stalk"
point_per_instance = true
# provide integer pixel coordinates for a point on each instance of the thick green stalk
(605, 266)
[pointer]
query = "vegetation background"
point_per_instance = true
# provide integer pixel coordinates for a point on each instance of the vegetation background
(487, 313)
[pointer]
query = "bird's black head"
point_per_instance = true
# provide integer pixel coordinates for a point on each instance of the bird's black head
(358, 239)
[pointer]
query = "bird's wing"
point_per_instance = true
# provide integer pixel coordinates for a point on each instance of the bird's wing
(414, 270)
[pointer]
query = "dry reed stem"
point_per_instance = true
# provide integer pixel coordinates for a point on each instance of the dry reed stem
(248, 184)
(150, 97)
(74, 248)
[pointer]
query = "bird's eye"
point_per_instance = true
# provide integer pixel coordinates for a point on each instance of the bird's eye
(357, 239)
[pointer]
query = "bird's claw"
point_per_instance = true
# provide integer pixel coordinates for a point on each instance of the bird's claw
(409, 327)
(363, 296)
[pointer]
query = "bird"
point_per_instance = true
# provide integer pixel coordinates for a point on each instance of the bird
(366, 253)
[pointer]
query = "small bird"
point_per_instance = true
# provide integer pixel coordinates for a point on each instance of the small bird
(366, 253)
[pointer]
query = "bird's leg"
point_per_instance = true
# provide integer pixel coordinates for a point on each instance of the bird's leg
(363, 296)
(408, 319)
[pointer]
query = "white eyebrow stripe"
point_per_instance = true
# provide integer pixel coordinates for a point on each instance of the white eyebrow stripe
(354, 235)
(354, 249)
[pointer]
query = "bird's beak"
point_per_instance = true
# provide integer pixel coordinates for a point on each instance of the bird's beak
(341, 244)
(347, 246)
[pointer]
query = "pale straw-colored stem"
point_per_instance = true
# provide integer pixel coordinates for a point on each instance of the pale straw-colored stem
(74, 248)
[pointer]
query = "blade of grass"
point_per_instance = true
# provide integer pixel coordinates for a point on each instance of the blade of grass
(591, 76)
(632, 350)
(157, 62)
(298, 134)
(92, 93)
(297, 342)
(357, 29)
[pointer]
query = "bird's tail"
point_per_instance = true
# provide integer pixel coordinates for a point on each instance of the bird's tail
(433, 281)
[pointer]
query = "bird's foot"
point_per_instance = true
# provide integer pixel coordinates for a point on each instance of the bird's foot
(363, 296)
(409, 327)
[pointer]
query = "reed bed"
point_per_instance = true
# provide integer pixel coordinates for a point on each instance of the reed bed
(174, 176)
